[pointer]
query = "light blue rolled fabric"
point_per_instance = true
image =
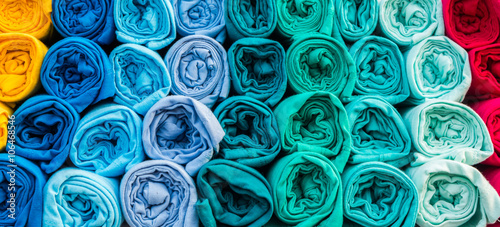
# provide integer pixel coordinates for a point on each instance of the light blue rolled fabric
(108, 140)
(141, 77)
(447, 130)
(146, 22)
(158, 193)
(75, 197)
(378, 132)
(380, 69)
(379, 195)
(437, 68)
(198, 68)
(356, 19)
(183, 130)
(200, 17)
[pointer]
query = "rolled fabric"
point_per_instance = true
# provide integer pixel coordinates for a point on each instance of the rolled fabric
(141, 77)
(257, 69)
(28, 17)
(158, 193)
(182, 130)
(378, 132)
(407, 22)
(453, 194)
(44, 127)
(381, 70)
(485, 69)
(25, 181)
(378, 194)
(5, 117)
(78, 197)
(316, 62)
(492, 174)
(489, 111)
(315, 121)
(108, 140)
(245, 18)
(307, 190)
(198, 67)
(78, 71)
(150, 23)
(91, 19)
(233, 194)
(252, 136)
(471, 23)
(356, 19)
(437, 68)
(21, 58)
(447, 130)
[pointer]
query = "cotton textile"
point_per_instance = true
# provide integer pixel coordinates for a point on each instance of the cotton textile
(5, 112)
(485, 68)
(357, 19)
(493, 177)
(158, 193)
(247, 18)
(29, 17)
(489, 111)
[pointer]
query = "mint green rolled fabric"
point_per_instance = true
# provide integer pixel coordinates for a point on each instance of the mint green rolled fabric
(437, 68)
(315, 122)
(378, 194)
(453, 194)
(378, 132)
(447, 130)
(356, 18)
(316, 62)
(306, 190)
(407, 22)
(250, 18)
(381, 70)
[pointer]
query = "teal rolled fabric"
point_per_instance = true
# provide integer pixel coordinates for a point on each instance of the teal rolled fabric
(316, 62)
(447, 130)
(75, 197)
(378, 194)
(248, 18)
(316, 122)
(306, 190)
(108, 140)
(453, 194)
(257, 68)
(141, 77)
(407, 22)
(356, 19)
(232, 194)
(378, 132)
(381, 70)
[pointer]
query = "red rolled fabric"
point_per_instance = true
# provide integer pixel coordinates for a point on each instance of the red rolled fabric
(492, 174)
(485, 69)
(471, 23)
(489, 111)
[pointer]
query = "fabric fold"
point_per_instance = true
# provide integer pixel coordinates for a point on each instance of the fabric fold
(489, 111)
(485, 69)
(247, 18)
(356, 19)
(492, 174)
(5, 118)
(28, 17)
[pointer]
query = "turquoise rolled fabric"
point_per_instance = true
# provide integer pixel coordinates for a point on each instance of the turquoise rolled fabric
(257, 68)
(378, 133)
(158, 193)
(150, 23)
(381, 70)
(407, 22)
(22, 191)
(453, 194)
(437, 68)
(316, 62)
(378, 194)
(356, 19)
(108, 140)
(141, 77)
(232, 194)
(75, 197)
(246, 18)
(198, 68)
(252, 136)
(447, 130)
(315, 122)
(307, 190)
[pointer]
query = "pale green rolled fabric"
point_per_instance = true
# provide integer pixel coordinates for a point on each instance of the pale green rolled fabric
(447, 130)
(437, 68)
(453, 194)
(356, 18)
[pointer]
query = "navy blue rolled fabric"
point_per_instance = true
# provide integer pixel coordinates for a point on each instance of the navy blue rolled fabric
(78, 71)
(198, 68)
(150, 23)
(141, 77)
(25, 209)
(250, 18)
(44, 128)
(91, 19)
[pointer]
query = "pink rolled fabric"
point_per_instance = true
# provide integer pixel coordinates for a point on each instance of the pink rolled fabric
(489, 111)
(485, 69)
(492, 174)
